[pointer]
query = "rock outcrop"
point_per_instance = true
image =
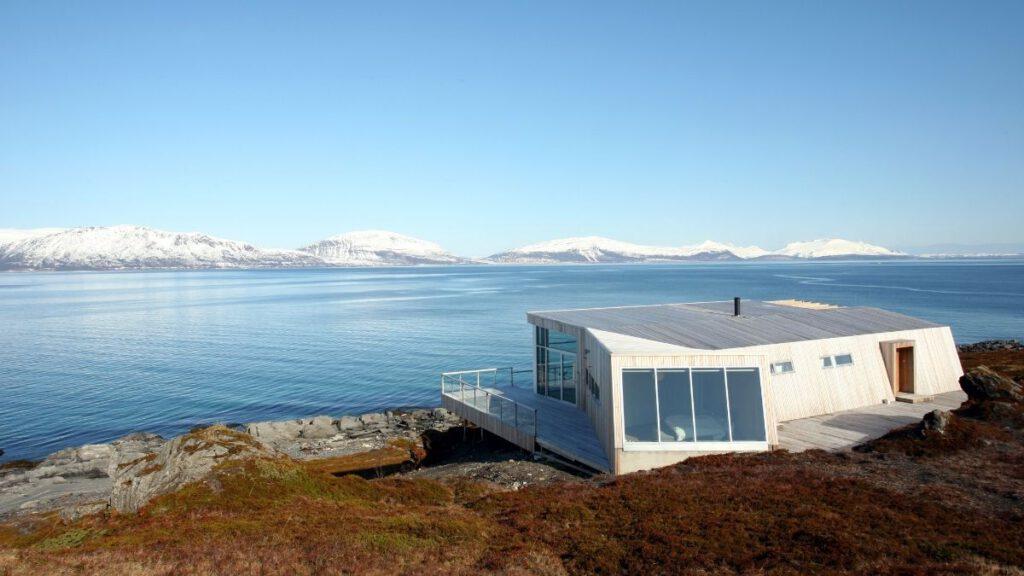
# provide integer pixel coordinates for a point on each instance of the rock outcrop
(983, 384)
(131, 470)
(992, 346)
(183, 460)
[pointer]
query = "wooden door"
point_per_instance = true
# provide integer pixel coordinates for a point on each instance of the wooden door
(905, 367)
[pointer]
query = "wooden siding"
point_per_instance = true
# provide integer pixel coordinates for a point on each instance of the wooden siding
(811, 390)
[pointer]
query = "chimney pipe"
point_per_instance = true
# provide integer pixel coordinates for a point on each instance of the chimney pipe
(736, 306)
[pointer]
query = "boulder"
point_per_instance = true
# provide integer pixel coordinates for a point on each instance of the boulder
(348, 423)
(983, 384)
(318, 427)
(935, 421)
(75, 512)
(373, 420)
(275, 431)
(183, 460)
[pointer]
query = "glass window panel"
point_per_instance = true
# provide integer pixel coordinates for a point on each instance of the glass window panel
(554, 379)
(542, 336)
(638, 406)
(561, 341)
(844, 360)
(674, 406)
(745, 405)
(826, 362)
(541, 369)
(782, 367)
(569, 378)
(712, 420)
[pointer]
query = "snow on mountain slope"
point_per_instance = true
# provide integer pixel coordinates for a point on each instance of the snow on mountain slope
(833, 248)
(133, 247)
(379, 248)
(599, 249)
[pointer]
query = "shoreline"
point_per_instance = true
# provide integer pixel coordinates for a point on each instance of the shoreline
(78, 480)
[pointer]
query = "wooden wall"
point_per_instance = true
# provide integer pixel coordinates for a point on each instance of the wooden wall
(812, 390)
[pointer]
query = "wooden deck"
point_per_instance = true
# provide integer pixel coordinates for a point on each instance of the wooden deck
(843, 430)
(561, 427)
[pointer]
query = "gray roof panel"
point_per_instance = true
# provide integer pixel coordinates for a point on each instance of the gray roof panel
(712, 326)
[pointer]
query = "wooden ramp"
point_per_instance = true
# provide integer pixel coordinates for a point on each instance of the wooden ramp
(843, 430)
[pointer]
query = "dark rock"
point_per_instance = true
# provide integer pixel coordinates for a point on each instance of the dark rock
(985, 385)
(992, 346)
(936, 421)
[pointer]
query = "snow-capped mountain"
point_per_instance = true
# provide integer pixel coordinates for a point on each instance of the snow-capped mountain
(594, 249)
(135, 247)
(834, 248)
(379, 248)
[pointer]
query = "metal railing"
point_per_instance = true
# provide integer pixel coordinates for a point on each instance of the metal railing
(468, 386)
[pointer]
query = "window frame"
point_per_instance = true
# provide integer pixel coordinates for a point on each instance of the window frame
(831, 361)
(543, 343)
(697, 445)
(774, 372)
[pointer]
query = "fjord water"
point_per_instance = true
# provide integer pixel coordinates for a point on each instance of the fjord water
(87, 357)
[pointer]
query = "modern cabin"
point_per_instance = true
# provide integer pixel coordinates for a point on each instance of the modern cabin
(636, 387)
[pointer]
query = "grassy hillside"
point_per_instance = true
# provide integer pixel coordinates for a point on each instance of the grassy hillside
(907, 504)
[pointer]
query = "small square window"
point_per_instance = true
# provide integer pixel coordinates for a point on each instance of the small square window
(826, 361)
(782, 367)
(844, 360)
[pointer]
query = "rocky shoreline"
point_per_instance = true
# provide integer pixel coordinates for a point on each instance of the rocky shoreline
(81, 480)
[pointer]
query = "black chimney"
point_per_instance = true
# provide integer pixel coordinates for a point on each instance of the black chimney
(736, 306)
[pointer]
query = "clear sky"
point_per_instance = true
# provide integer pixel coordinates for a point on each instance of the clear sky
(487, 125)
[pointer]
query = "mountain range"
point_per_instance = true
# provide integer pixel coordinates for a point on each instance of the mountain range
(138, 247)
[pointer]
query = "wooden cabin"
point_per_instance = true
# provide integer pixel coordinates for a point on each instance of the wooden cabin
(636, 387)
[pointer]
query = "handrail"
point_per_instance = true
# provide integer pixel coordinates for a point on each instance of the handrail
(455, 377)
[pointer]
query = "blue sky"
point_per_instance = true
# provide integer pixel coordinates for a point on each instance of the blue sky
(486, 125)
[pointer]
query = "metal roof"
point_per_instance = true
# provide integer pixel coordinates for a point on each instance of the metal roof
(712, 326)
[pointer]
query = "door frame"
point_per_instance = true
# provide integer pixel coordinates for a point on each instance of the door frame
(891, 357)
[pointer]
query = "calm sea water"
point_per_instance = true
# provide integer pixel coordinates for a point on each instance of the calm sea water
(87, 357)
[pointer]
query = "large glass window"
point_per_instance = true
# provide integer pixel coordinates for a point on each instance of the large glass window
(556, 364)
(640, 413)
(677, 405)
(745, 410)
(709, 408)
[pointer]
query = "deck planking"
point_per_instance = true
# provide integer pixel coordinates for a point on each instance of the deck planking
(843, 430)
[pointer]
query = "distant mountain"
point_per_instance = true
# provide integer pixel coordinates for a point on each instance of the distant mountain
(834, 248)
(380, 248)
(135, 247)
(595, 249)
(592, 249)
